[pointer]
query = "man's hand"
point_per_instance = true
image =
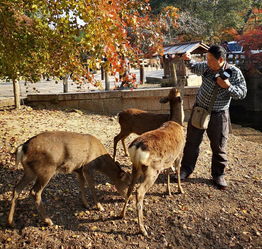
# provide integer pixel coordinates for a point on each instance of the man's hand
(223, 83)
(186, 56)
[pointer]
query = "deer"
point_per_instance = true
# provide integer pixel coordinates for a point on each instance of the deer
(52, 152)
(155, 151)
(137, 121)
(154, 62)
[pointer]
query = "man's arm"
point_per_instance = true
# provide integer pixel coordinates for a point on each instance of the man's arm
(196, 67)
(236, 85)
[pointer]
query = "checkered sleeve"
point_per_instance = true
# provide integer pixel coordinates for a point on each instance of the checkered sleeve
(196, 67)
(238, 88)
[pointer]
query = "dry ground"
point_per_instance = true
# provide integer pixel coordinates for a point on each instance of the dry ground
(204, 217)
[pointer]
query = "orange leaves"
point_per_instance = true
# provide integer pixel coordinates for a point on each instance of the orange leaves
(231, 31)
(257, 11)
(70, 31)
(252, 39)
(252, 42)
(171, 15)
(228, 34)
(171, 11)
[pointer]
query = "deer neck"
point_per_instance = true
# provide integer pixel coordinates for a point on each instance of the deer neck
(109, 168)
(177, 112)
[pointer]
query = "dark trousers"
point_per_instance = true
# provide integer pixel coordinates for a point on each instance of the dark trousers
(217, 132)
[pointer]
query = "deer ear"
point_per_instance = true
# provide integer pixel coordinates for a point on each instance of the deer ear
(122, 175)
(118, 164)
(164, 100)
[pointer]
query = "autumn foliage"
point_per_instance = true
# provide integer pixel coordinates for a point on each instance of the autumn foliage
(76, 34)
(252, 44)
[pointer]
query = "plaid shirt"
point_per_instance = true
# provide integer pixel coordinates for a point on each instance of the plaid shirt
(237, 89)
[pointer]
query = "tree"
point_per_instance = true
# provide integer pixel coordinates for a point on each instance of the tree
(22, 47)
(189, 27)
(99, 29)
(251, 41)
(168, 21)
(56, 36)
(218, 20)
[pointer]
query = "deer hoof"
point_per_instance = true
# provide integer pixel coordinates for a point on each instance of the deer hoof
(123, 214)
(181, 191)
(144, 232)
(100, 207)
(49, 222)
(85, 204)
(10, 223)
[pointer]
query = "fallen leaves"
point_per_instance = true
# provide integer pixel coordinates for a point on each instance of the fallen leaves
(93, 228)
(203, 212)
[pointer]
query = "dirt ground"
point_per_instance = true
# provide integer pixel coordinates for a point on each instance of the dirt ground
(203, 217)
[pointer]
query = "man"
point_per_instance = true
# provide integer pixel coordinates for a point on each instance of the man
(231, 84)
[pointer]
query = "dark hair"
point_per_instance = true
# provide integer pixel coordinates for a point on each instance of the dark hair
(217, 51)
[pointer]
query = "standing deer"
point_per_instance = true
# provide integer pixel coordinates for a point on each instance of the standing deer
(155, 151)
(138, 122)
(48, 153)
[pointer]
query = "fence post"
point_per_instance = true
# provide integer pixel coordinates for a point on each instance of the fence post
(65, 83)
(142, 74)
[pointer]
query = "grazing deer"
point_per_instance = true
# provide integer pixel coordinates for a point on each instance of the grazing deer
(48, 153)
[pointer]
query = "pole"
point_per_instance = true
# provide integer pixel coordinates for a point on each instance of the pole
(142, 74)
(16, 88)
(65, 83)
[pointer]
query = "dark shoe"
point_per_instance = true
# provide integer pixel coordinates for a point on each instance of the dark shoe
(183, 175)
(220, 181)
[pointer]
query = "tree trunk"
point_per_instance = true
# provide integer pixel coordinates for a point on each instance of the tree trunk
(107, 83)
(102, 73)
(142, 74)
(16, 88)
(65, 83)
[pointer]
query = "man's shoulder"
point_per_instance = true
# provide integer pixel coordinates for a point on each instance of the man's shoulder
(236, 73)
(234, 68)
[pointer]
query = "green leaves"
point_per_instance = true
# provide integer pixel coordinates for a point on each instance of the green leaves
(210, 20)
(20, 43)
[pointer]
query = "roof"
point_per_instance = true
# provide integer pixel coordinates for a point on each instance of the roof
(181, 48)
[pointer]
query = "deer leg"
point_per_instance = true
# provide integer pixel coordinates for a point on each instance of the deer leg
(121, 137)
(124, 145)
(177, 166)
(90, 180)
(150, 177)
(37, 190)
(116, 140)
(81, 180)
(168, 184)
(135, 176)
(25, 180)
(168, 180)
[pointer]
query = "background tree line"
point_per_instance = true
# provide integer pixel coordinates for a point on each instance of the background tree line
(65, 36)
(212, 20)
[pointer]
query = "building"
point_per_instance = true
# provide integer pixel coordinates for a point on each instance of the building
(175, 71)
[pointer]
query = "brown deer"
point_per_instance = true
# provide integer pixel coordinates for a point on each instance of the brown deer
(155, 151)
(48, 153)
(138, 122)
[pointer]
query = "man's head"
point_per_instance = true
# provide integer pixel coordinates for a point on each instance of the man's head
(216, 57)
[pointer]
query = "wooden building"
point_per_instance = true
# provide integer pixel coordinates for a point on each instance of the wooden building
(175, 72)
